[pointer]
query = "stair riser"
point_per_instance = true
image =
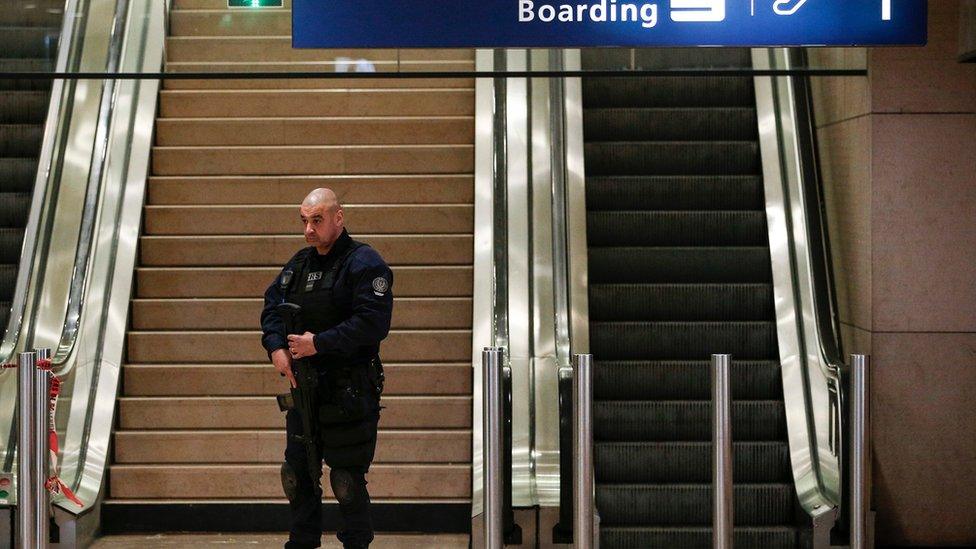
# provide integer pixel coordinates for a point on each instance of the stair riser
(257, 220)
(269, 447)
(264, 481)
(198, 314)
(411, 189)
(338, 131)
(316, 103)
(251, 282)
(253, 380)
(245, 347)
(277, 250)
(434, 159)
(263, 413)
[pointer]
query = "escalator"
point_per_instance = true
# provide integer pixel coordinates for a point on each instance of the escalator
(679, 268)
(28, 43)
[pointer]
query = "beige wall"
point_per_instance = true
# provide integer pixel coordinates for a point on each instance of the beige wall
(899, 150)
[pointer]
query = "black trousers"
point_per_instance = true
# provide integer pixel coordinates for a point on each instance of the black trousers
(348, 487)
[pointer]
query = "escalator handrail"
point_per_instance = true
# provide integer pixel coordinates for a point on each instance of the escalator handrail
(826, 311)
(52, 128)
(78, 284)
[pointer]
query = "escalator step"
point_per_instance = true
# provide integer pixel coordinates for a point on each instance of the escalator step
(37, 66)
(656, 124)
(679, 265)
(655, 192)
(665, 58)
(24, 107)
(691, 504)
(770, 537)
(8, 279)
(4, 315)
(683, 380)
(672, 228)
(668, 91)
(685, 420)
(682, 340)
(23, 140)
(11, 240)
(663, 462)
(29, 42)
(672, 158)
(17, 174)
(684, 302)
(13, 209)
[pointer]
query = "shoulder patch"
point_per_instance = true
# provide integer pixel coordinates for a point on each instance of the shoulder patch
(380, 285)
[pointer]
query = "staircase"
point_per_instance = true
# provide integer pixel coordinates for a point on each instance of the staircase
(679, 269)
(197, 421)
(28, 43)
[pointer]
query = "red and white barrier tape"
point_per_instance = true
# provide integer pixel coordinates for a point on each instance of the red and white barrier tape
(53, 483)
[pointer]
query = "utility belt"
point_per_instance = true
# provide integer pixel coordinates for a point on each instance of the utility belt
(345, 394)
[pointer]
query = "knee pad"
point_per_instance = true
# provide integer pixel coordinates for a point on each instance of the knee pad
(289, 481)
(342, 486)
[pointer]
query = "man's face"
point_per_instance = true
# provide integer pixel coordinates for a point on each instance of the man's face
(322, 225)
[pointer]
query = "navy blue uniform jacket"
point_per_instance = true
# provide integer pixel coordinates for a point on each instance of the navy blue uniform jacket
(357, 291)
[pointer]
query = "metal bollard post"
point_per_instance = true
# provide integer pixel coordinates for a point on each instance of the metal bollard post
(26, 516)
(583, 450)
(722, 444)
(860, 448)
(493, 475)
(42, 419)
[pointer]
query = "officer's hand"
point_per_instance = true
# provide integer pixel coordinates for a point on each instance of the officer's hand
(282, 363)
(301, 346)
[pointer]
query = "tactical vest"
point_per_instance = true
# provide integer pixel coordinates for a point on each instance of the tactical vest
(349, 389)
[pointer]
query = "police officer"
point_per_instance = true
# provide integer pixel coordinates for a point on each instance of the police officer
(344, 290)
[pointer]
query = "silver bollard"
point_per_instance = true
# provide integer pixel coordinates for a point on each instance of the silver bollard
(493, 475)
(722, 445)
(583, 450)
(860, 448)
(42, 419)
(26, 483)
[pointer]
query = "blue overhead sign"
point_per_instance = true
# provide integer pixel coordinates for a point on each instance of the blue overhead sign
(583, 23)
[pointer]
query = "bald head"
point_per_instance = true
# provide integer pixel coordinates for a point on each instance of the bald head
(324, 197)
(322, 217)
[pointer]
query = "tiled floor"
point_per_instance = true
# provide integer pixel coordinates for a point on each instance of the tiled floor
(268, 541)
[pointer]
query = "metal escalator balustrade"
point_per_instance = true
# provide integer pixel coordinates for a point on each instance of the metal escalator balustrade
(679, 268)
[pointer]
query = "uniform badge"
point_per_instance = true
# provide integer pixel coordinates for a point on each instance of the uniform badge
(380, 285)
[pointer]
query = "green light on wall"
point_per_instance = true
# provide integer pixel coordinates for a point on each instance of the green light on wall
(255, 3)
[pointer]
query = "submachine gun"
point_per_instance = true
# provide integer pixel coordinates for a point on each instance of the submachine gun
(303, 398)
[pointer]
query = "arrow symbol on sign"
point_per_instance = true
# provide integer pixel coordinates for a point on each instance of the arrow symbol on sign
(886, 10)
(780, 10)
